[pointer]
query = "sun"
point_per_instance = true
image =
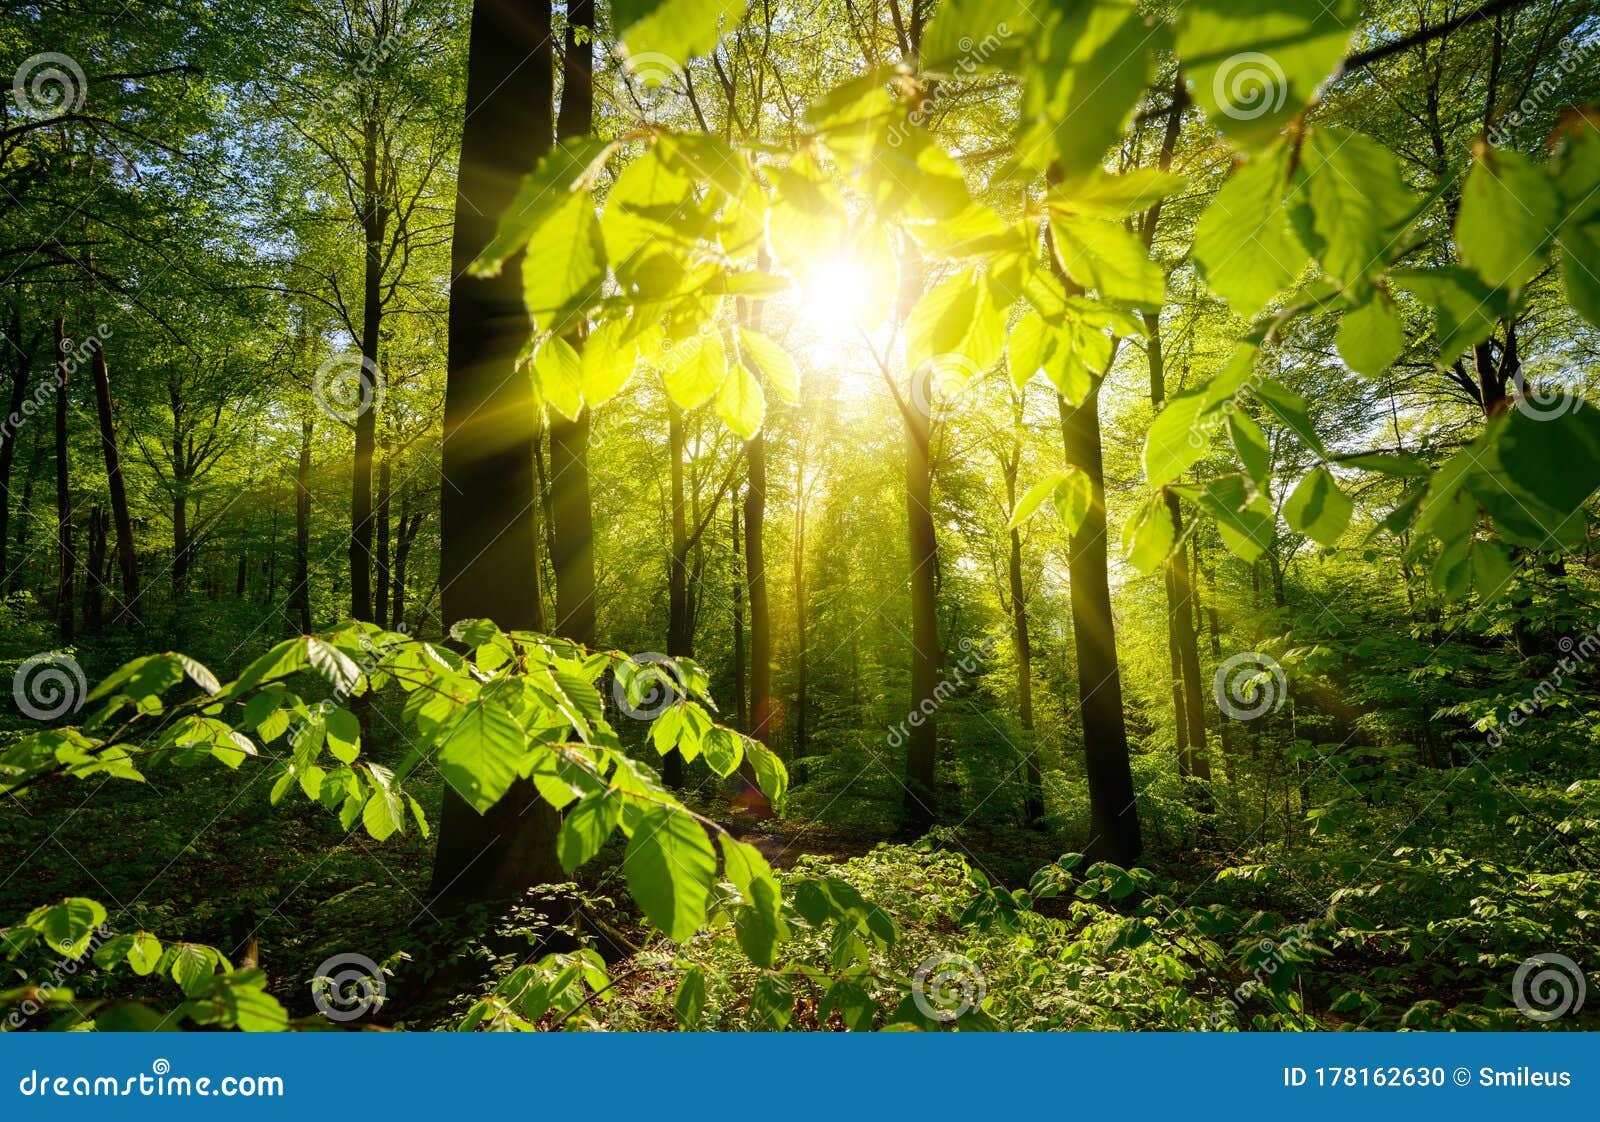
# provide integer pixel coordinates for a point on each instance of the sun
(835, 293)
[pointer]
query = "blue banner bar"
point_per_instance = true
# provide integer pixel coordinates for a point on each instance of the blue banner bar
(798, 1076)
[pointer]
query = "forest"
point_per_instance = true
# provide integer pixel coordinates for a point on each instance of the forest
(800, 515)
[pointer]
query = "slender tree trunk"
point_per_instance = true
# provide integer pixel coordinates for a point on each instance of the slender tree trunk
(755, 573)
(1033, 807)
(25, 510)
(21, 371)
(300, 595)
(571, 507)
(539, 514)
(180, 534)
(680, 640)
(127, 560)
(1113, 810)
(374, 224)
(740, 706)
(407, 530)
(93, 601)
(922, 538)
(380, 560)
(486, 502)
(67, 559)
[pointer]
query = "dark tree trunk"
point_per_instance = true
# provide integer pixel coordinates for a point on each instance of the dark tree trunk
(755, 574)
(740, 706)
(374, 224)
(680, 628)
(93, 601)
(25, 510)
(21, 372)
(67, 559)
(300, 595)
(540, 515)
(409, 524)
(486, 524)
(1113, 811)
(127, 560)
(922, 739)
(802, 702)
(380, 560)
(1033, 807)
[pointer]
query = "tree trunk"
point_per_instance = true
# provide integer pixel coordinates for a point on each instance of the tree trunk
(300, 595)
(93, 601)
(740, 707)
(67, 559)
(1113, 810)
(486, 523)
(922, 539)
(408, 526)
(380, 559)
(680, 630)
(21, 370)
(374, 223)
(801, 659)
(25, 510)
(127, 560)
(755, 575)
(1033, 807)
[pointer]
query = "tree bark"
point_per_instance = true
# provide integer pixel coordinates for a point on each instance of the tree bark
(486, 523)
(66, 557)
(21, 371)
(1113, 809)
(740, 706)
(374, 224)
(680, 630)
(300, 595)
(380, 559)
(922, 539)
(127, 560)
(1033, 806)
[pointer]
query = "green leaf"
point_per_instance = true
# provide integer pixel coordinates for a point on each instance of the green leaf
(1180, 434)
(586, 827)
(558, 374)
(1318, 509)
(1027, 346)
(1491, 570)
(338, 668)
(670, 868)
(1290, 408)
(690, 1002)
(479, 756)
(541, 193)
(722, 749)
(955, 317)
(1251, 444)
(1107, 258)
(1508, 210)
(1148, 536)
(771, 776)
(68, 927)
(1466, 311)
(384, 813)
(1244, 522)
(1033, 498)
(1244, 244)
(1580, 269)
(565, 265)
(192, 966)
(1254, 64)
(1101, 195)
(343, 734)
(1372, 336)
(1073, 498)
(695, 369)
(773, 362)
(1359, 200)
(676, 29)
(740, 402)
(772, 1001)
